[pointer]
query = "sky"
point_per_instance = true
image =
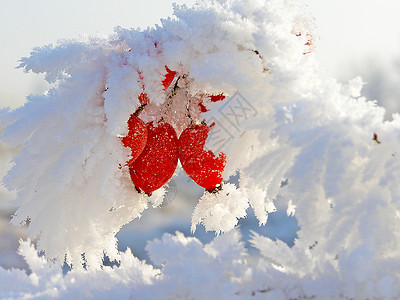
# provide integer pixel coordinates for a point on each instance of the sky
(355, 36)
(355, 30)
(361, 37)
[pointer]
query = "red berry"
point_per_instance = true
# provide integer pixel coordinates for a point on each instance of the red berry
(157, 162)
(136, 137)
(202, 107)
(213, 98)
(203, 166)
(219, 97)
(169, 77)
(143, 98)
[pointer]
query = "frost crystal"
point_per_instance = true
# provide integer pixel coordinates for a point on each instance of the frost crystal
(337, 157)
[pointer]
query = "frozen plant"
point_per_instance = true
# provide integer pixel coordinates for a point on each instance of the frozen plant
(330, 145)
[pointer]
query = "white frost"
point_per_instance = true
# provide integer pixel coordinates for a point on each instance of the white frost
(338, 155)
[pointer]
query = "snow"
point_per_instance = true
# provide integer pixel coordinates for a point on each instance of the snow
(220, 211)
(313, 147)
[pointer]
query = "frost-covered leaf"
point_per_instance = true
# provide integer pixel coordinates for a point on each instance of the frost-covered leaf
(221, 210)
(339, 156)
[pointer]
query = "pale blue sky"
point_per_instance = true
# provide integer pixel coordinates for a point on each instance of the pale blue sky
(350, 31)
(25, 24)
(356, 29)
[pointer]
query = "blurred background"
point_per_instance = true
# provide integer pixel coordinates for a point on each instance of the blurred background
(354, 38)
